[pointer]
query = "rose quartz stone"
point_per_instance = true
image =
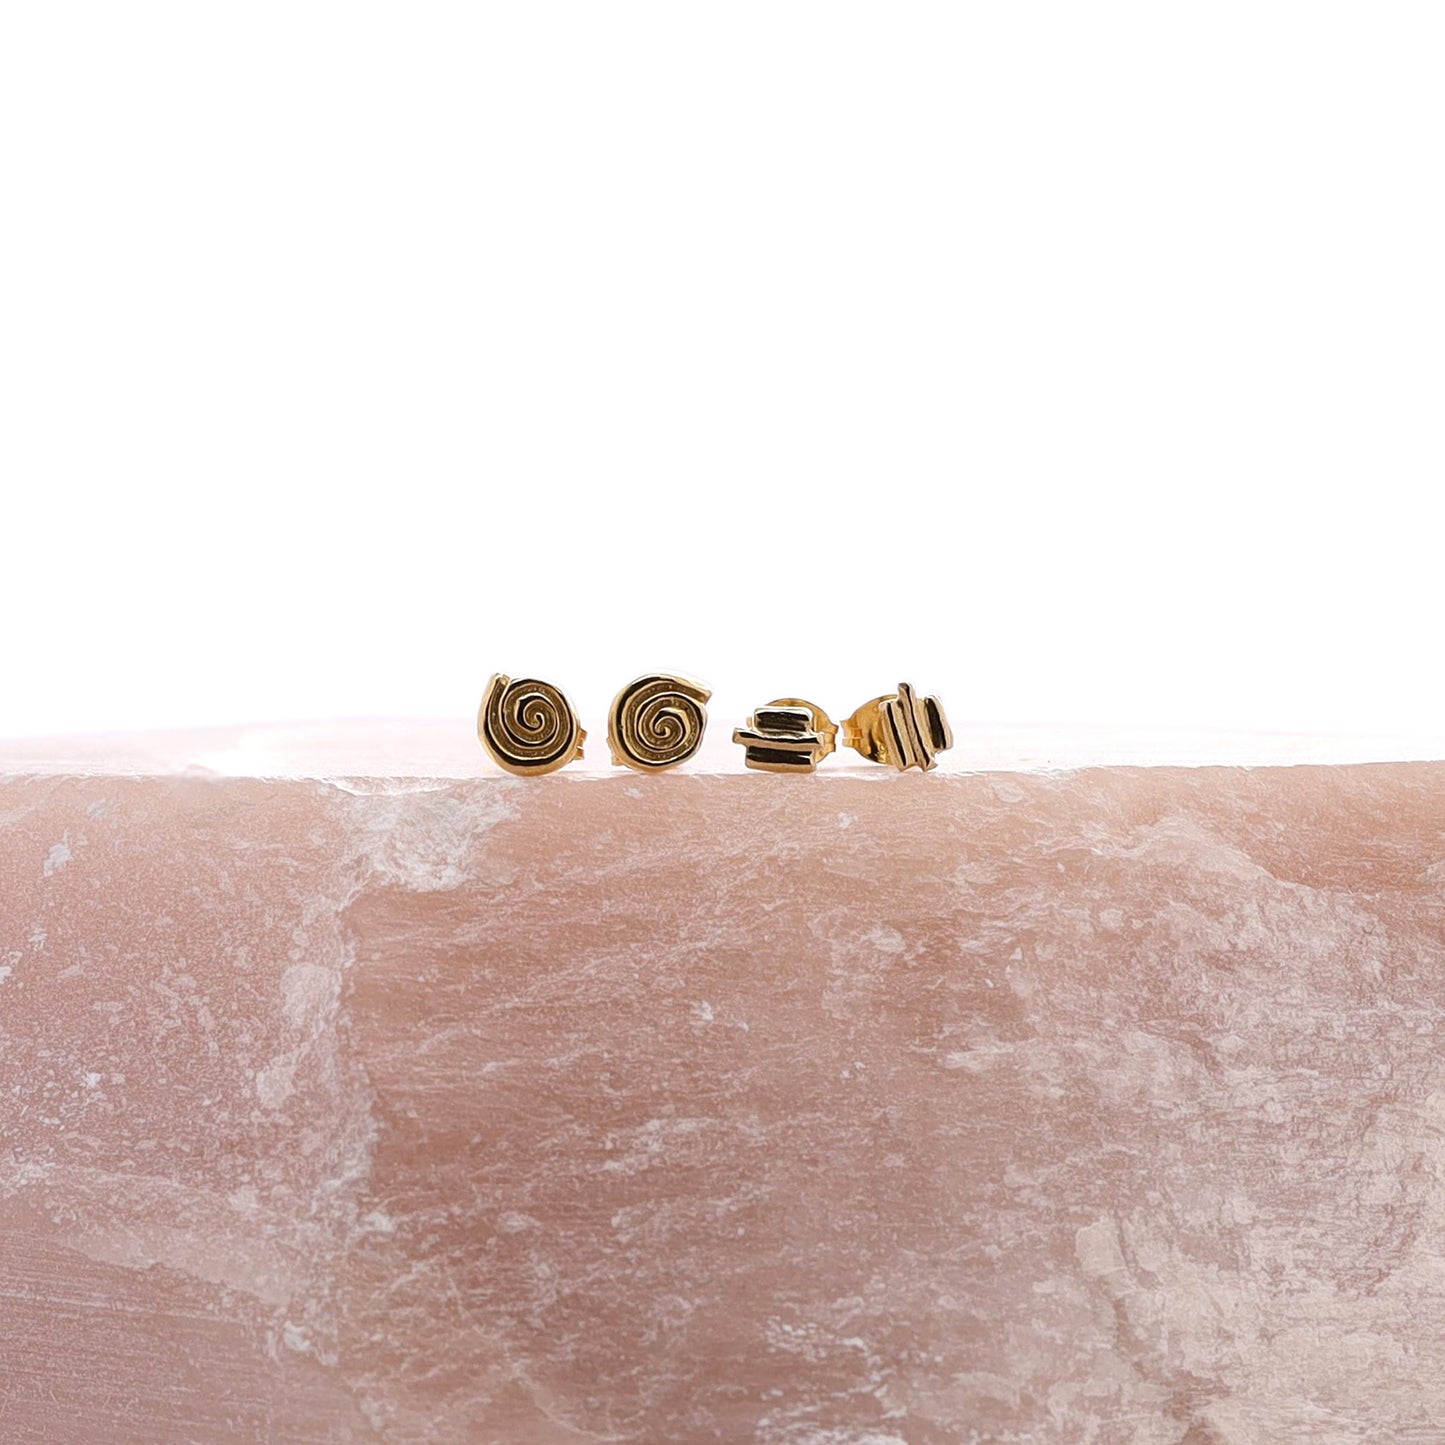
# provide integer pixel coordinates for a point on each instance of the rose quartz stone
(353, 1091)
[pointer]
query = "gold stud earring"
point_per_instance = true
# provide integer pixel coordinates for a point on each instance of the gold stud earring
(657, 721)
(900, 729)
(528, 727)
(787, 736)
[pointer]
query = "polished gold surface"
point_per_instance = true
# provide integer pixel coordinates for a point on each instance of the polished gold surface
(900, 730)
(528, 727)
(787, 736)
(657, 721)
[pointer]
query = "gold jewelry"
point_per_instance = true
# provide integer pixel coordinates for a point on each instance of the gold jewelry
(528, 727)
(900, 729)
(657, 721)
(787, 736)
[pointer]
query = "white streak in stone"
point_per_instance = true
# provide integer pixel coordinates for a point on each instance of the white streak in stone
(58, 856)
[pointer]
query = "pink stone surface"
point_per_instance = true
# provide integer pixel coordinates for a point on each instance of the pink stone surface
(1092, 1105)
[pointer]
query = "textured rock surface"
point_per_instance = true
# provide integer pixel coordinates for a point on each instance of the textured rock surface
(855, 1109)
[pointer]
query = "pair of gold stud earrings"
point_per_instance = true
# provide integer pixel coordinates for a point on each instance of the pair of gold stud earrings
(657, 721)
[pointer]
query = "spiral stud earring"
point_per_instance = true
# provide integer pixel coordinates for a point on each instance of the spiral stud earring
(528, 727)
(657, 721)
(901, 730)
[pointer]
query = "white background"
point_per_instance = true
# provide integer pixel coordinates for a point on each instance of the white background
(1078, 363)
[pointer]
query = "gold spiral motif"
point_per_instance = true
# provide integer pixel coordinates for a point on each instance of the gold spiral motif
(527, 726)
(657, 721)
